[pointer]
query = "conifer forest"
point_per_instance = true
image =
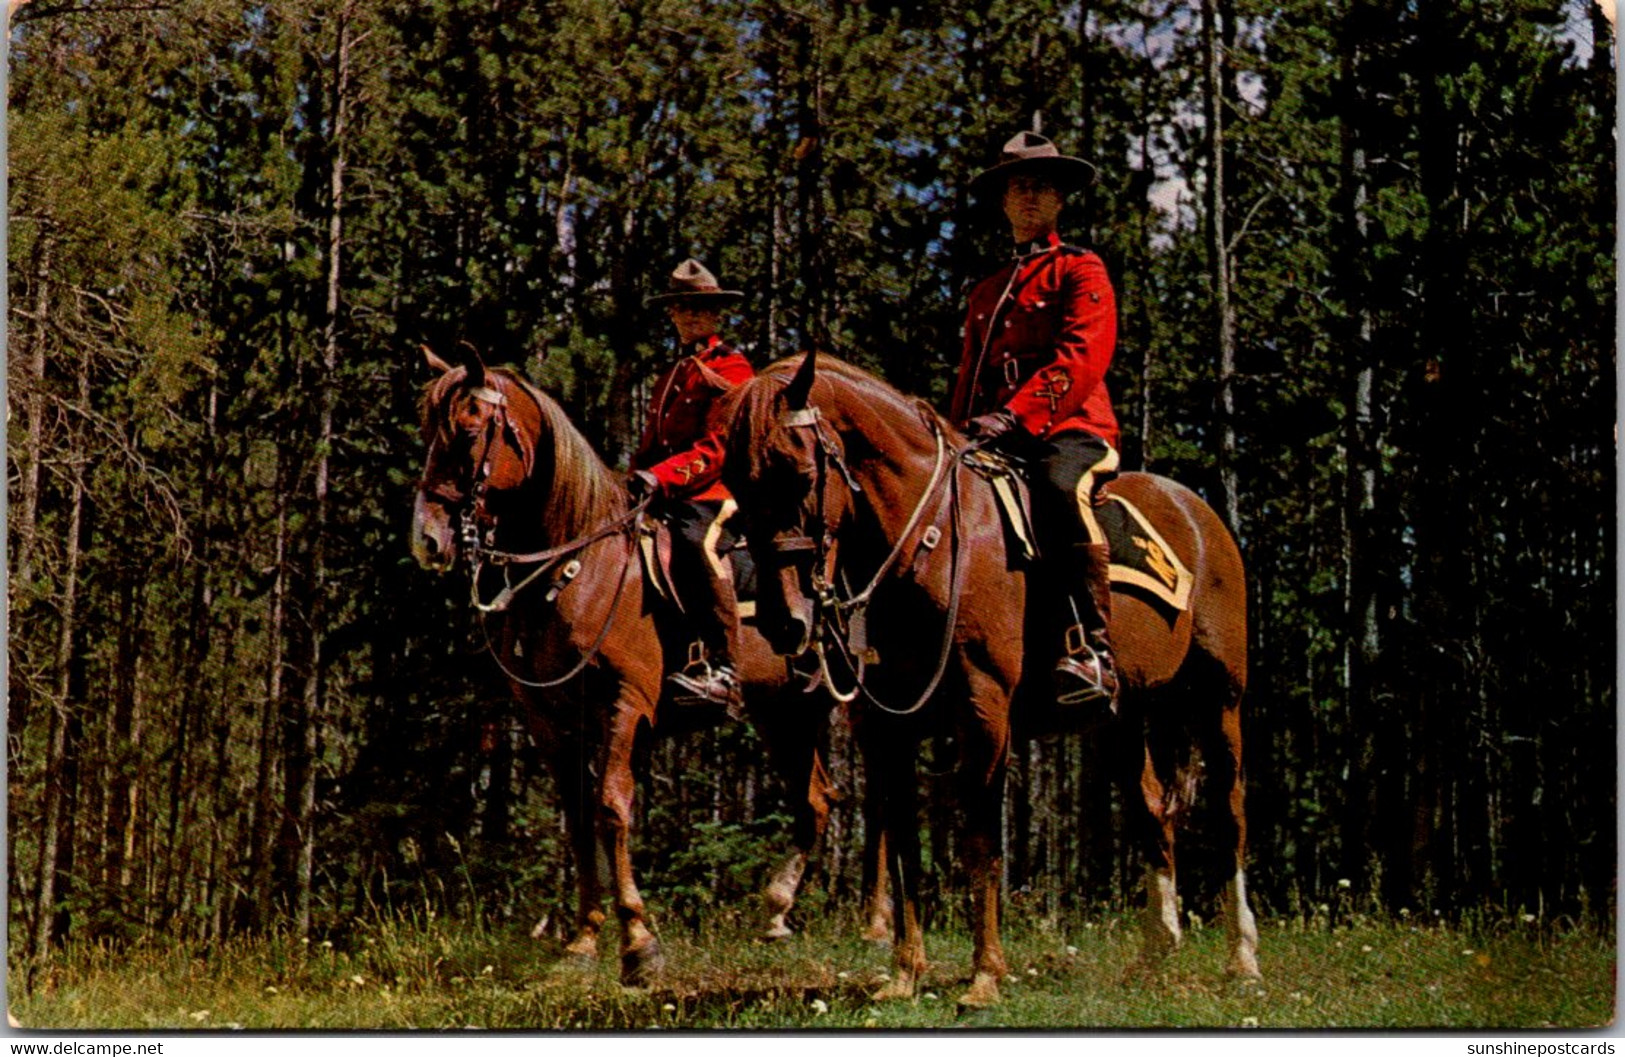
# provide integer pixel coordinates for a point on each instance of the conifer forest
(1364, 258)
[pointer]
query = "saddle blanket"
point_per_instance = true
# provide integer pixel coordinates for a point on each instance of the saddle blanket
(1141, 558)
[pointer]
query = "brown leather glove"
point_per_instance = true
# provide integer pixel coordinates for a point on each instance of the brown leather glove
(991, 428)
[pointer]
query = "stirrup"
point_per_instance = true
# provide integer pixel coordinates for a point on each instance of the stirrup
(702, 684)
(1084, 675)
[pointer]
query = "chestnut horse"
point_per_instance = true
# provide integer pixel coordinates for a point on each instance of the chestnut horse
(548, 530)
(876, 547)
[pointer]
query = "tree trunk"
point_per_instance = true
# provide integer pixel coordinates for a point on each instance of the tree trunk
(1360, 643)
(1219, 261)
(61, 765)
(303, 792)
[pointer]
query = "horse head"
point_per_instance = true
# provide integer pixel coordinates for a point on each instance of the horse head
(481, 431)
(787, 466)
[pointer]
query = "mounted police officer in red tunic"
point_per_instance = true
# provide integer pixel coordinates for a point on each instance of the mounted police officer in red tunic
(679, 461)
(1039, 336)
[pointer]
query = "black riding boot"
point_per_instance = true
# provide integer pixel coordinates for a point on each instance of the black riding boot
(1086, 675)
(709, 677)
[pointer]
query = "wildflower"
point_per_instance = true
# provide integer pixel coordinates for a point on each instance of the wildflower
(930, 996)
(1071, 952)
(1366, 947)
(488, 970)
(358, 980)
(1344, 882)
(1249, 1022)
(1529, 919)
(200, 1016)
(668, 1008)
(819, 1007)
(1031, 971)
(327, 945)
(270, 989)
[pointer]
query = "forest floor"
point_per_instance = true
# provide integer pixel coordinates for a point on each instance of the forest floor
(448, 974)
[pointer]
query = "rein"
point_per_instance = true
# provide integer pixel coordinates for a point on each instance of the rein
(830, 608)
(480, 555)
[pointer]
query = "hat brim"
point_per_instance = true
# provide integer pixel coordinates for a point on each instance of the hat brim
(1066, 172)
(715, 298)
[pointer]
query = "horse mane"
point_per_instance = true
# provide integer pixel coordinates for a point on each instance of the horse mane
(752, 401)
(580, 490)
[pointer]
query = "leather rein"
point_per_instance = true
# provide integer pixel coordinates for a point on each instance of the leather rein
(481, 553)
(842, 621)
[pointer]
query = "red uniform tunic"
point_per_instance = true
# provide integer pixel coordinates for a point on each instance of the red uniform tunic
(680, 445)
(1050, 346)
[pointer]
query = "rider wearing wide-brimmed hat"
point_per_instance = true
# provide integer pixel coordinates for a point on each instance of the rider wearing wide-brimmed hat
(1039, 336)
(679, 461)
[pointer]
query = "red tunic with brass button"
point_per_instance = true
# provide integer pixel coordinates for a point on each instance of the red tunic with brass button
(1050, 344)
(681, 446)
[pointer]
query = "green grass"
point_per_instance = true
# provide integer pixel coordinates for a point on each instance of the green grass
(441, 974)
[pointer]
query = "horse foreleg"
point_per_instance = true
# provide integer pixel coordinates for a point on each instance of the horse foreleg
(982, 782)
(640, 950)
(811, 815)
(890, 765)
(578, 802)
(1161, 932)
(876, 908)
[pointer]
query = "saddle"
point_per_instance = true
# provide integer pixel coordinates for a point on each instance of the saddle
(654, 557)
(1140, 557)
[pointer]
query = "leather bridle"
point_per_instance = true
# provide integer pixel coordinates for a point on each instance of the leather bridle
(477, 529)
(839, 622)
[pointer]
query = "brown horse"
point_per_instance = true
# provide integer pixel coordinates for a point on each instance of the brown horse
(846, 482)
(548, 530)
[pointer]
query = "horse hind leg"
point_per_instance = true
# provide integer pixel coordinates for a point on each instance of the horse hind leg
(1160, 929)
(1241, 928)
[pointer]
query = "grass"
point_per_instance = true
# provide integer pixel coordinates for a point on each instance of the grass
(438, 974)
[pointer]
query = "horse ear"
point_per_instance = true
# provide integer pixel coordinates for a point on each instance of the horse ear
(434, 361)
(472, 361)
(800, 387)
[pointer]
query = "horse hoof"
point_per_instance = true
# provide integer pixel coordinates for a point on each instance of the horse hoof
(1244, 973)
(640, 965)
(583, 947)
(983, 993)
(778, 931)
(879, 935)
(898, 990)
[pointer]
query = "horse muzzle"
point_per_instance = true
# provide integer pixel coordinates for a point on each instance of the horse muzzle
(784, 614)
(434, 537)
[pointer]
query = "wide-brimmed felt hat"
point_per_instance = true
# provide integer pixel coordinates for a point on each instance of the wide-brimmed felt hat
(692, 282)
(1029, 154)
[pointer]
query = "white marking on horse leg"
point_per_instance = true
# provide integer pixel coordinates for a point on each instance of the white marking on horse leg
(781, 895)
(1241, 929)
(1162, 933)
